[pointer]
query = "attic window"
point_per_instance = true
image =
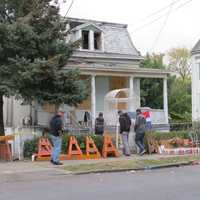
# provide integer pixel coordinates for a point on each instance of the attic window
(85, 39)
(97, 40)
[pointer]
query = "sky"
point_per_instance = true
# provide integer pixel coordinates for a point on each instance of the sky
(178, 25)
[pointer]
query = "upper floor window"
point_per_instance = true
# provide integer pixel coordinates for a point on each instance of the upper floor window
(85, 39)
(97, 40)
(91, 40)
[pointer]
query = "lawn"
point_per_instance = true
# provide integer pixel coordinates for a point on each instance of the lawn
(132, 164)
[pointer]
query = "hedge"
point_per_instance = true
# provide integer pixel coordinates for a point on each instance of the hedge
(169, 135)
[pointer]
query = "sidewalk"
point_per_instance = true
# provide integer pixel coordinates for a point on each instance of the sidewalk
(18, 167)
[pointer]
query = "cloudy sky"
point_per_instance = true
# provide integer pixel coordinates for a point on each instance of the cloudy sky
(154, 25)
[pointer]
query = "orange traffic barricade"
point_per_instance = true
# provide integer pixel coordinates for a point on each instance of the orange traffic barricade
(44, 148)
(74, 150)
(91, 150)
(108, 147)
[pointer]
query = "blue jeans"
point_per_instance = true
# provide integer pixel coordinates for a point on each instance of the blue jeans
(126, 149)
(57, 142)
(139, 140)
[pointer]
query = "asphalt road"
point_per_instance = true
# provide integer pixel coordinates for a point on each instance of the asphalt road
(166, 184)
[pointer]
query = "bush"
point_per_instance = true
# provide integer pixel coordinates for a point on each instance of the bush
(98, 140)
(31, 146)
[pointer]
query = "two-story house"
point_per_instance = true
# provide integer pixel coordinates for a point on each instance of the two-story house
(108, 57)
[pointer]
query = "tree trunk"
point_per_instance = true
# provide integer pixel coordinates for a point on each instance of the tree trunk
(1, 117)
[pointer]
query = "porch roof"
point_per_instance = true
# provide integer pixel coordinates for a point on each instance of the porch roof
(123, 71)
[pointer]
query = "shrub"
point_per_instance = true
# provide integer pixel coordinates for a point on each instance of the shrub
(30, 147)
(169, 135)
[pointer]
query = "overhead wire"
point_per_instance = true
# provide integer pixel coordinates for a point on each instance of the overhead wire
(159, 18)
(70, 6)
(159, 11)
(163, 26)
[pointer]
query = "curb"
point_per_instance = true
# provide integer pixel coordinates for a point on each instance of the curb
(136, 169)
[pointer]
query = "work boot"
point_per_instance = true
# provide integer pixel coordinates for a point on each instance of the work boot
(57, 163)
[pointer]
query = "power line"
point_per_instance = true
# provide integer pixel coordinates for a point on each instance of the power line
(163, 26)
(159, 11)
(158, 18)
(70, 6)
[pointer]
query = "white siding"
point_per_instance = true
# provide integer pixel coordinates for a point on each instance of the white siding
(195, 88)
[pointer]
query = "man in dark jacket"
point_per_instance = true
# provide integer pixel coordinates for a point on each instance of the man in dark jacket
(125, 124)
(140, 127)
(99, 124)
(56, 129)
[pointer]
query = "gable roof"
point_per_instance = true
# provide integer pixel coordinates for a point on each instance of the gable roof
(83, 21)
(85, 25)
(196, 48)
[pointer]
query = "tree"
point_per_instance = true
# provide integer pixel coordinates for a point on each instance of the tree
(179, 97)
(180, 62)
(34, 53)
(152, 88)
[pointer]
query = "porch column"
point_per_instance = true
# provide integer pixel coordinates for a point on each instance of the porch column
(93, 100)
(165, 100)
(131, 103)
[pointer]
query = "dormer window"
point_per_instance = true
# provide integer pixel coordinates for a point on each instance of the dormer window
(85, 39)
(97, 41)
(91, 36)
(91, 40)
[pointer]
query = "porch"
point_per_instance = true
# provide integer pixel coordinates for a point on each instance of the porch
(106, 79)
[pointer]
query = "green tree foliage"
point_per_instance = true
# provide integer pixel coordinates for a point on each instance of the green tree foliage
(179, 98)
(34, 53)
(180, 62)
(152, 88)
(179, 91)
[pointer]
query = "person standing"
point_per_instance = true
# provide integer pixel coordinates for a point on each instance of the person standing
(56, 131)
(86, 118)
(140, 126)
(99, 124)
(125, 124)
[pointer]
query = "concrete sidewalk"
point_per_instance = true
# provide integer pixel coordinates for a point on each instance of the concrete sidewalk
(41, 166)
(21, 171)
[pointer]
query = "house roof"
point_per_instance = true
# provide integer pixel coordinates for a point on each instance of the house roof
(116, 38)
(196, 48)
(121, 71)
(81, 21)
(85, 25)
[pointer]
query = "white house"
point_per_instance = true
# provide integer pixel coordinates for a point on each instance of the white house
(196, 82)
(108, 56)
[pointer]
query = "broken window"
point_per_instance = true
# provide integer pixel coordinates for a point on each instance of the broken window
(85, 39)
(97, 41)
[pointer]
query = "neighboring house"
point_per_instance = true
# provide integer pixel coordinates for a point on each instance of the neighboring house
(108, 57)
(196, 82)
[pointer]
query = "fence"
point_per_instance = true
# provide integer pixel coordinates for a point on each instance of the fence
(180, 126)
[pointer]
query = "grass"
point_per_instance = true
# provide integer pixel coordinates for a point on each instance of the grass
(129, 164)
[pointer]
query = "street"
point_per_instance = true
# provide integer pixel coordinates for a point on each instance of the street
(167, 184)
